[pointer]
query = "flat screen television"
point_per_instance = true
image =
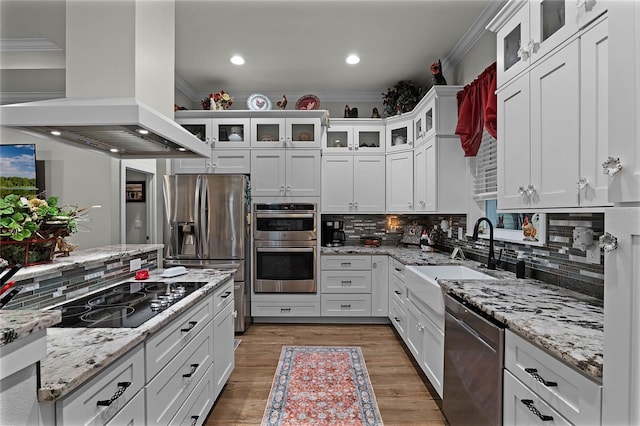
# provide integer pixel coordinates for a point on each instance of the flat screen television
(18, 170)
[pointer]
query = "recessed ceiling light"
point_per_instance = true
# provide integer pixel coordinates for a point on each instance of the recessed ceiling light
(113, 150)
(55, 133)
(237, 60)
(182, 149)
(353, 59)
(143, 131)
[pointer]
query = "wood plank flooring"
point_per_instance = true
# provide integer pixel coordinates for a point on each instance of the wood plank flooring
(404, 396)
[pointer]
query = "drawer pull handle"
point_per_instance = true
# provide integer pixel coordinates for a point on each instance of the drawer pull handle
(194, 420)
(345, 264)
(346, 282)
(285, 309)
(534, 373)
(194, 367)
(225, 295)
(345, 306)
(397, 319)
(534, 410)
(191, 325)
(398, 269)
(122, 386)
(397, 292)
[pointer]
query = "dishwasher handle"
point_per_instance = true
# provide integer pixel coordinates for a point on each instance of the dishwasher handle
(471, 331)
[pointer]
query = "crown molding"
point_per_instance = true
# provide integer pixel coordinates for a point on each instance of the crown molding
(31, 44)
(472, 35)
(183, 86)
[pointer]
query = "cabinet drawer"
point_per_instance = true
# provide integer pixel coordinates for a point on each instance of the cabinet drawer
(520, 405)
(346, 305)
(166, 343)
(399, 292)
(398, 318)
(398, 269)
(276, 309)
(574, 396)
(345, 281)
(132, 414)
(170, 388)
(197, 407)
(222, 297)
(81, 407)
(346, 262)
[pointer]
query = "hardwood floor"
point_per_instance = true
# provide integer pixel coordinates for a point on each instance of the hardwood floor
(404, 397)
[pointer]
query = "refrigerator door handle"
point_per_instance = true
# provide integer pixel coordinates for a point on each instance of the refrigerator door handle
(197, 209)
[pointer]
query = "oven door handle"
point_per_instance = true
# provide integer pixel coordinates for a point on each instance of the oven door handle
(285, 249)
(285, 215)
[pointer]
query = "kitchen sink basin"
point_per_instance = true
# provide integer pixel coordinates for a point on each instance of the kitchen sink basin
(422, 282)
(449, 272)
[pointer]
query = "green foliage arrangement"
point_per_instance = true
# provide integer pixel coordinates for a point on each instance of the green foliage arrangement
(34, 218)
(401, 98)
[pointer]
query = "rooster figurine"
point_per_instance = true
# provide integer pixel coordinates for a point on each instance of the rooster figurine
(283, 103)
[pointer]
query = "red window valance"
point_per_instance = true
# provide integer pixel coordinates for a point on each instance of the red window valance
(477, 109)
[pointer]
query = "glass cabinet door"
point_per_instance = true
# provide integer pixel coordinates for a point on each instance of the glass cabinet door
(268, 132)
(369, 139)
(339, 139)
(551, 23)
(513, 46)
(231, 133)
(303, 133)
(399, 136)
(200, 128)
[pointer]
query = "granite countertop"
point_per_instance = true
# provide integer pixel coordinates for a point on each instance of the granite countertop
(83, 257)
(74, 355)
(15, 325)
(567, 324)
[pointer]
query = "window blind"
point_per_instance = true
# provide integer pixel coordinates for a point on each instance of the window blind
(485, 179)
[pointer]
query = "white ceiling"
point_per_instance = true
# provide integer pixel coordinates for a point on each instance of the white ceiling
(290, 46)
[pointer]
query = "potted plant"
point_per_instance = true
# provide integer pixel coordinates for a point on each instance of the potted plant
(401, 98)
(30, 228)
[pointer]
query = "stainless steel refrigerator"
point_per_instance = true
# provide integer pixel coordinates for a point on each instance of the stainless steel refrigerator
(207, 225)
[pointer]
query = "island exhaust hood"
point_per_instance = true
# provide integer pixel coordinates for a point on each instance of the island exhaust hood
(121, 127)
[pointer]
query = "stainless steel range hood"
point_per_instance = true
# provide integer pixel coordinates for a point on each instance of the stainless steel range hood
(120, 127)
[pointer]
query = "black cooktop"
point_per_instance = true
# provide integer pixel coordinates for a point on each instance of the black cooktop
(126, 305)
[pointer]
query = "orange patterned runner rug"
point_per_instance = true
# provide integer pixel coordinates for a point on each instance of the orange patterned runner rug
(321, 385)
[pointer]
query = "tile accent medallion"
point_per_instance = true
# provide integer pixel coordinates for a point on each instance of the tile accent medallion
(557, 262)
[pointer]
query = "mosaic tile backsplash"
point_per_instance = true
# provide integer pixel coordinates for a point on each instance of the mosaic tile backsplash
(41, 293)
(557, 262)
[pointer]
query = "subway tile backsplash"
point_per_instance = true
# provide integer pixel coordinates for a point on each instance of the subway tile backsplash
(557, 262)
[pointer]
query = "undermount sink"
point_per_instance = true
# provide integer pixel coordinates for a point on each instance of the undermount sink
(449, 272)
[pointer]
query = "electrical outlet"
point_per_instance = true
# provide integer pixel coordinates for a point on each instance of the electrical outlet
(135, 264)
(449, 233)
(593, 254)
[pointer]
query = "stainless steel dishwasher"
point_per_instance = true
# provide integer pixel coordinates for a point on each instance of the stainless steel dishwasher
(473, 362)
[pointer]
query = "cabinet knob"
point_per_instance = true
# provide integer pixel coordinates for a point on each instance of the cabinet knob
(530, 190)
(611, 166)
(608, 242)
(410, 142)
(214, 165)
(355, 204)
(582, 183)
(281, 188)
(350, 206)
(356, 147)
(288, 188)
(350, 148)
(409, 204)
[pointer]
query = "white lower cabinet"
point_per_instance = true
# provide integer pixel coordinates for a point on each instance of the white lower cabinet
(345, 283)
(223, 349)
(397, 298)
(380, 286)
(537, 385)
(285, 305)
(195, 410)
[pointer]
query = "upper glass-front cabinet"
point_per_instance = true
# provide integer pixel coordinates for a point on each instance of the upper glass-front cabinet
(527, 31)
(231, 133)
(351, 137)
(399, 135)
(286, 132)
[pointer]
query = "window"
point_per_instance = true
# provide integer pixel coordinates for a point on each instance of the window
(485, 169)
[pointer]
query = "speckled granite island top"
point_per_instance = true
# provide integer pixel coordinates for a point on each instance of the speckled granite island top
(74, 355)
(565, 323)
(15, 325)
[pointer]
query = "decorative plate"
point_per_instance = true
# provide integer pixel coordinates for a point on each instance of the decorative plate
(308, 102)
(258, 102)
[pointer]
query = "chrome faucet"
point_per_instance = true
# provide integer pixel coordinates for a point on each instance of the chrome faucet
(491, 261)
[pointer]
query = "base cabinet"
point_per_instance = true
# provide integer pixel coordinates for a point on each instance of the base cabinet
(345, 283)
(223, 350)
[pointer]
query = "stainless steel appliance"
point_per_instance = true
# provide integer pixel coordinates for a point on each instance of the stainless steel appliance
(473, 362)
(207, 226)
(333, 233)
(285, 245)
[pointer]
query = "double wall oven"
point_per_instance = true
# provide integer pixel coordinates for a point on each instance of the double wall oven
(285, 244)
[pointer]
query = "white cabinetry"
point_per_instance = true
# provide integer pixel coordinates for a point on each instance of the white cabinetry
(353, 183)
(439, 166)
(397, 297)
(287, 132)
(285, 173)
(436, 113)
(399, 133)
(350, 136)
(399, 192)
(345, 283)
(223, 332)
(380, 286)
(624, 93)
(529, 30)
(538, 386)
